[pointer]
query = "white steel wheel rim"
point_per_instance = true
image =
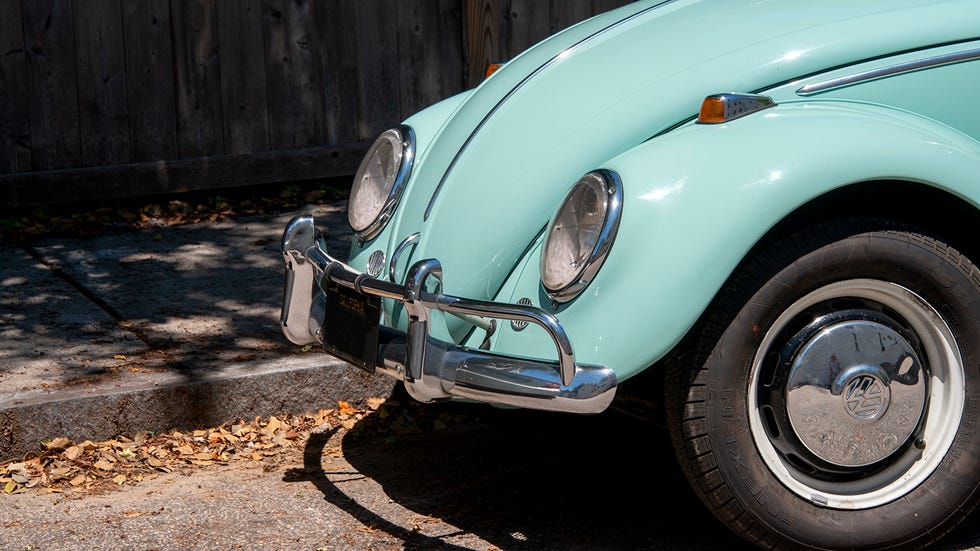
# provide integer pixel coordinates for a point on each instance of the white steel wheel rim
(945, 394)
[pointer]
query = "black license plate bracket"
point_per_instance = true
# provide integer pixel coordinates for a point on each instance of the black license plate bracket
(350, 325)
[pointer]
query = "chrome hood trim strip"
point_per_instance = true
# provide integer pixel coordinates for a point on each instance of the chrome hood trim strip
(891, 70)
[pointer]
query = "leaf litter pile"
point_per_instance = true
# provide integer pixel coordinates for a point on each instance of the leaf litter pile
(68, 467)
(87, 220)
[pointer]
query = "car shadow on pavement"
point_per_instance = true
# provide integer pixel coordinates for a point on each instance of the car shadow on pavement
(521, 479)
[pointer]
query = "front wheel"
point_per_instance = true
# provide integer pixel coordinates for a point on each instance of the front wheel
(831, 400)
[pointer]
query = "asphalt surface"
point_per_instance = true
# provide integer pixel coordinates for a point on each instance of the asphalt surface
(177, 327)
(457, 476)
(454, 477)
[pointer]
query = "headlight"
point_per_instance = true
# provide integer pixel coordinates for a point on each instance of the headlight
(580, 234)
(379, 181)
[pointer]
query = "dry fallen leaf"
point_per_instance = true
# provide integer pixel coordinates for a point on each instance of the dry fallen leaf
(345, 408)
(90, 466)
(59, 473)
(20, 477)
(57, 444)
(72, 453)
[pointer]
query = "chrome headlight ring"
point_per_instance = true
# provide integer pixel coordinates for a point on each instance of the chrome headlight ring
(581, 234)
(379, 181)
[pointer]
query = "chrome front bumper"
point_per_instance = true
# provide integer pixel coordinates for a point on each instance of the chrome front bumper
(432, 369)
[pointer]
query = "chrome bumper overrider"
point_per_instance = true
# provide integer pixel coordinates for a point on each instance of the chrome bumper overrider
(432, 369)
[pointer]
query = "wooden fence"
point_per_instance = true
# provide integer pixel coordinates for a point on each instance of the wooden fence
(116, 98)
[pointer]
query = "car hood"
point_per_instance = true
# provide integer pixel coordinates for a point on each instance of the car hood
(487, 182)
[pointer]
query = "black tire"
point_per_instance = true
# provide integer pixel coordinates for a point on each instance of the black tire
(757, 402)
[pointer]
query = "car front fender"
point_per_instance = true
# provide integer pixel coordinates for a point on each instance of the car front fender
(697, 199)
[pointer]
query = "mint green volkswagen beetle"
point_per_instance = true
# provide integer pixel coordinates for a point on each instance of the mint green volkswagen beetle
(770, 207)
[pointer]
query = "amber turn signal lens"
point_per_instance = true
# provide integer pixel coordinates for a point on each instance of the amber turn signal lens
(491, 69)
(720, 108)
(712, 110)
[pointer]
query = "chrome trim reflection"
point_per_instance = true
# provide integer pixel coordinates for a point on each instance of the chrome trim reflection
(845, 371)
(891, 70)
(397, 254)
(299, 236)
(610, 226)
(518, 325)
(376, 263)
(453, 371)
(401, 178)
(563, 54)
(431, 369)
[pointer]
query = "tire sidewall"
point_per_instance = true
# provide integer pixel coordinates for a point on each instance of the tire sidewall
(903, 258)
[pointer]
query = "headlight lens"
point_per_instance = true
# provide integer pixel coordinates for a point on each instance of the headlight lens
(581, 234)
(379, 181)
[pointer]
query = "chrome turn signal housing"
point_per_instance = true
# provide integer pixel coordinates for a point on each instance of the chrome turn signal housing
(721, 108)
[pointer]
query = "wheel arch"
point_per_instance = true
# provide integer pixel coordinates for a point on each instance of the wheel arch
(937, 212)
(940, 208)
(934, 211)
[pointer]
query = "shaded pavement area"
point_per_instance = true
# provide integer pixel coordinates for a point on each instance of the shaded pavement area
(173, 326)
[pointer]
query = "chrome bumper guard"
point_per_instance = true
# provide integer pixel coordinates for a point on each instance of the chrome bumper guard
(432, 369)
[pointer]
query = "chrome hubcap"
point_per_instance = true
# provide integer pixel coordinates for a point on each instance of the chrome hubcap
(841, 386)
(856, 394)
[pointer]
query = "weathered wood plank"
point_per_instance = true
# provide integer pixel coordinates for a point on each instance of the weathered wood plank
(197, 71)
(338, 86)
(377, 57)
(429, 52)
(448, 37)
(482, 23)
(602, 6)
(102, 106)
(15, 120)
(150, 80)
(178, 176)
(50, 39)
(289, 65)
(204, 82)
(565, 13)
(529, 23)
(243, 80)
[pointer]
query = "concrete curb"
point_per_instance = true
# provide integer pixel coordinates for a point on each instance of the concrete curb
(161, 402)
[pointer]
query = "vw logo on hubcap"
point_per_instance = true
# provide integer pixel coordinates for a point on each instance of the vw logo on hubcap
(865, 397)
